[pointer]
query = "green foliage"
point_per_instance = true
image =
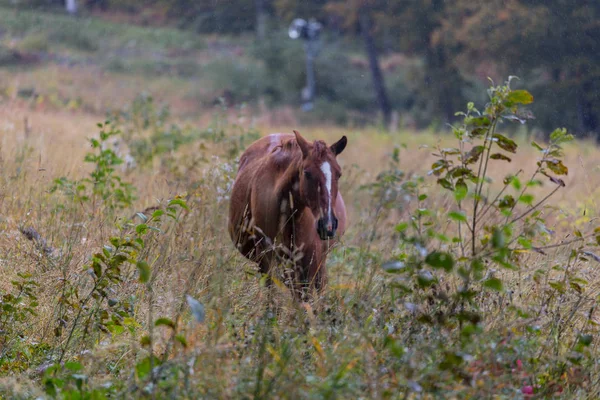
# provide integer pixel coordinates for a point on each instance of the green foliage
(148, 130)
(444, 279)
(17, 308)
(337, 100)
(241, 81)
(90, 309)
(103, 183)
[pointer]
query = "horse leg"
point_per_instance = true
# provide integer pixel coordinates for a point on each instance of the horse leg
(317, 274)
(266, 269)
(320, 278)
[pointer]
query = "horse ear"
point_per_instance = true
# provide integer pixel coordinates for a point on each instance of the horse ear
(339, 146)
(304, 146)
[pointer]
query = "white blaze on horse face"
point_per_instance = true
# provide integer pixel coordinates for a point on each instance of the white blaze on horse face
(326, 168)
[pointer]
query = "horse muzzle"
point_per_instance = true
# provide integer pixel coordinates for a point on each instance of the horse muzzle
(326, 228)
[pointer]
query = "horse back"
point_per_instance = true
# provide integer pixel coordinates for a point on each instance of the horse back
(275, 148)
(260, 166)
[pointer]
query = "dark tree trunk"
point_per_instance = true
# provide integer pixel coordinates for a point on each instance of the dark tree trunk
(261, 20)
(443, 83)
(364, 20)
(101, 4)
(588, 121)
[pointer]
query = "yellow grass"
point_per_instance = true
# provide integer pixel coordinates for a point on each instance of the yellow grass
(55, 142)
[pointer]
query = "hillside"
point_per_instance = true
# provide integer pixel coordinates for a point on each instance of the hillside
(119, 280)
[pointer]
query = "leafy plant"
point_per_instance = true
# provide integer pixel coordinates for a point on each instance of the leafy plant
(91, 307)
(16, 309)
(103, 182)
(443, 275)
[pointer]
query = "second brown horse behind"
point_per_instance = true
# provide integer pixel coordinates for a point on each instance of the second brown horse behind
(285, 207)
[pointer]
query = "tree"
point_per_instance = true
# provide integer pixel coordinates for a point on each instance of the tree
(261, 19)
(414, 23)
(553, 41)
(360, 13)
(365, 23)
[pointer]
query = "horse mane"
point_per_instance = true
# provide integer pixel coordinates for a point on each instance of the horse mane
(288, 152)
(320, 149)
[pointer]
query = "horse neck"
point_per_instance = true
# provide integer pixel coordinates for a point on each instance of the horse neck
(289, 183)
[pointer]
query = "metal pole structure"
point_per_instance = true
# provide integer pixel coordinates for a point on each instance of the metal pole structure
(310, 77)
(309, 32)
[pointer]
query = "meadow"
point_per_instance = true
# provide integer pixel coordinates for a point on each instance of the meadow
(459, 277)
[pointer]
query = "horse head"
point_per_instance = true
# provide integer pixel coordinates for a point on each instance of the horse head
(318, 181)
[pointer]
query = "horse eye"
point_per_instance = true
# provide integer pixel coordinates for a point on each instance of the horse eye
(307, 174)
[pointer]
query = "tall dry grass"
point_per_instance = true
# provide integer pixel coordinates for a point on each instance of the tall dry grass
(247, 346)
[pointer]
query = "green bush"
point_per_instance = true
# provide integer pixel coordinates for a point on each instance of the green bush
(336, 79)
(76, 36)
(243, 80)
(34, 42)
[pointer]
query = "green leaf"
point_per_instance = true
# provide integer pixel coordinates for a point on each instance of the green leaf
(482, 121)
(469, 316)
(145, 340)
(514, 181)
(445, 183)
(50, 388)
(165, 322)
(500, 156)
(559, 286)
(478, 132)
(498, 241)
(526, 198)
(144, 270)
(505, 143)
(560, 135)
(520, 97)
(557, 167)
(460, 190)
(450, 151)
(537, 146)
(143, 368)
(158, 213)
(457, 216)
(118, 260)
(97, 269)
(182, 340)
(586, 340)
(506, 202)
(73, 366)
(401, 227)
(472, 156)
(141, 229)
(524, 242)
(106, 251)
(438, 167)
(438, 259)
(451, 361)
(493, 283)
(180, 202)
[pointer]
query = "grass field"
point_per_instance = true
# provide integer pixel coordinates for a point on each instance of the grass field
(96, 306)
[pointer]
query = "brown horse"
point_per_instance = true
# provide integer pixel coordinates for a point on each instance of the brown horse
(285, 207)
